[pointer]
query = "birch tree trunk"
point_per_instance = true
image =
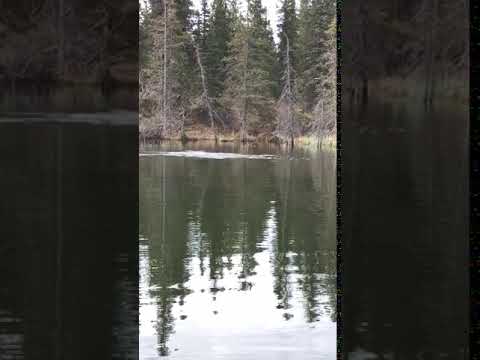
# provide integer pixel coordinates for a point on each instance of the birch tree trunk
(286, 125)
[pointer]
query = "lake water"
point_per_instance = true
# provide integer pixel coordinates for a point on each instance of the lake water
(404, 208)
(237, 253)
(68, 249)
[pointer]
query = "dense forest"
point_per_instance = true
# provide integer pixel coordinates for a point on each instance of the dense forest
(404, 49)
(218, 70)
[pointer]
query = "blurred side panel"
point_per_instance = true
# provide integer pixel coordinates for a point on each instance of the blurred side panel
(69, 179)
(404, 175)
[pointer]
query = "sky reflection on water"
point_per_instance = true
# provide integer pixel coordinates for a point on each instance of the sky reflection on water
(241, 264)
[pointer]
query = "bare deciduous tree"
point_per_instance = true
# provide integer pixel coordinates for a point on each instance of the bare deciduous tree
(286, 128)
(205, 99)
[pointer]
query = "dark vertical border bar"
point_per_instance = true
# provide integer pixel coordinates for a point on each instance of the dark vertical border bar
(404, 172)
(474, 172)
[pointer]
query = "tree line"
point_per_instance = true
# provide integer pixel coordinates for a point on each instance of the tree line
(221, 65)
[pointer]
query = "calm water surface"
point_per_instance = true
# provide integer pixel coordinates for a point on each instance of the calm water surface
(405, 292)
(237, 253)
(68, 249)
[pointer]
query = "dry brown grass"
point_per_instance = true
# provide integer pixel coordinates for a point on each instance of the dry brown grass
(199, 132)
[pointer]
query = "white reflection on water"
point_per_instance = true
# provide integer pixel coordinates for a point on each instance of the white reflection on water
(209, 155)
(233, 324)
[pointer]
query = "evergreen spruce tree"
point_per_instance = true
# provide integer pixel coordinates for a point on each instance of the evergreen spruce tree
(315, 39)
(263, 64)
(252, 79)
(233, 11)
(183, 51)
(168, 78)
(235, 97)
(144, 36)
(217, 48)
(325, 113)
(202, 24)
(302, 47)
(288, 29)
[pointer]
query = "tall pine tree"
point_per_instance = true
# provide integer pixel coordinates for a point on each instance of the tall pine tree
(202, 24)
(302, 47)
(252, 81)
(168, 78)
(263, 58)
(288, 29)
(184, 65)
(316, 18)
(235, 97)
(217, 48)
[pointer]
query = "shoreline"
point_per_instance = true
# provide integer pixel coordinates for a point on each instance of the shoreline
(204, 134)
(302, 141)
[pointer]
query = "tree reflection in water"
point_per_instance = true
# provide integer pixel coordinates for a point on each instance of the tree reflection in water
(233, 227)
